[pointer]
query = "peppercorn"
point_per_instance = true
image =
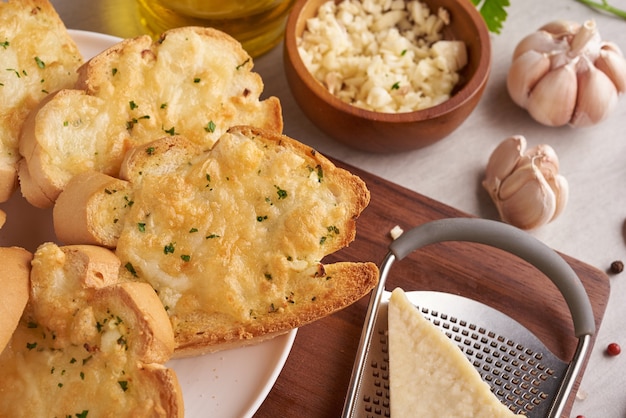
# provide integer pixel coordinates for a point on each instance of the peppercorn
(617, 267)
(613, 349)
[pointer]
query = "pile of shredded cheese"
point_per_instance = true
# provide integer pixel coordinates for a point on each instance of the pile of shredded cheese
(382, 55)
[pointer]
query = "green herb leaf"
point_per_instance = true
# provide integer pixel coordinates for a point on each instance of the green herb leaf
(210, 127)
(40, 63)
(131, 269)
(493, 12)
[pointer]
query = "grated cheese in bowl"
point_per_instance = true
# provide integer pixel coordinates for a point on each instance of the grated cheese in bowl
(382, 55)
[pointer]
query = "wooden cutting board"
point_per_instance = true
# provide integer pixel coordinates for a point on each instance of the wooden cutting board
(315, 379)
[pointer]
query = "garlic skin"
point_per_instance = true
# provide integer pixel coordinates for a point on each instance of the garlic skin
(525, 185)
(564, 74)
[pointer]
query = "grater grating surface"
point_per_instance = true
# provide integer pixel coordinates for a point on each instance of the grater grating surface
(520, 370)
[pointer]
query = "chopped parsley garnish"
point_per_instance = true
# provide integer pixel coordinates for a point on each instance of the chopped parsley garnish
(185, 257)
(123, 384)
(40, 63)
(131, 269)
(141, 226)
(15, 71)
(169, 248)
(210, 127)
(131, 123)
(281, 193)
(242, 64)
(170, 131)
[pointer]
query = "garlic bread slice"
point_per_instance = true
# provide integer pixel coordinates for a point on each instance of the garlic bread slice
(232, 238)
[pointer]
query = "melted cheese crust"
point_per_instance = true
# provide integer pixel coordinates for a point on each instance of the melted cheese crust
(78, 354)
(227, 234)
(38, 57)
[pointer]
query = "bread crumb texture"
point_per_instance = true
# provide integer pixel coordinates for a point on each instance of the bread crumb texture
(232, 238)
(88, 344)
(37, 57)
(196, 82)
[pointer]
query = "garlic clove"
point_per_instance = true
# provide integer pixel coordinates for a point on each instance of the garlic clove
(586, 41)
(502, 162)
(540, 41)
(526, 199)
(525, 185)
(524, 73)
(611, 62)
(545, 158)
(553, 99)
(560, 187)
(596, 98)
(561, 28)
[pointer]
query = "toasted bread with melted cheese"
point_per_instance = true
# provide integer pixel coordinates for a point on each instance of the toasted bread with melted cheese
(15, 284)
(232, 238)
(196, 82)
(38, 57)
(88, 343)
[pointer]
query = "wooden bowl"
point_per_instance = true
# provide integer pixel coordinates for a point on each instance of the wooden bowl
(391, 132)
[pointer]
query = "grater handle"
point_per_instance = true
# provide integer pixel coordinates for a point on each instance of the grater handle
(514, 241)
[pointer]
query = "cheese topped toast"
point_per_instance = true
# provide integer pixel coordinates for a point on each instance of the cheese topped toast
(196, 82)
(429, 376)
(232, 238)
(15, 284)
(38, 57)
(88, 344)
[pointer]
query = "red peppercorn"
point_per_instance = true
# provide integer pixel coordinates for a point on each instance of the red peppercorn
(613, 349)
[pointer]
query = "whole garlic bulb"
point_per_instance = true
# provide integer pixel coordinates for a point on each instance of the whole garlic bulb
(565, 74)
(525, 185)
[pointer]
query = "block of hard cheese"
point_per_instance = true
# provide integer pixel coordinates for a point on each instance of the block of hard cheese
(429, 376)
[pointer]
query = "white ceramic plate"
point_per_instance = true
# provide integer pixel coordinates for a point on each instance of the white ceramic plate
(231, 383)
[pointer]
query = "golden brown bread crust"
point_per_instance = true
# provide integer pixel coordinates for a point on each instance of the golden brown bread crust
(196, 82)
(84, 199)
(14, 282)
(38, 57)
(231, 238)
(88, 342)
(345, 283)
